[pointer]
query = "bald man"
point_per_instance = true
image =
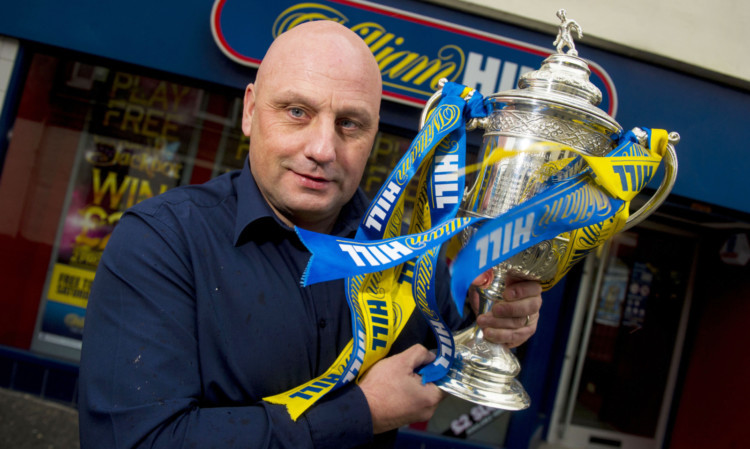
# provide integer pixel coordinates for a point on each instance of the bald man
(196, 313)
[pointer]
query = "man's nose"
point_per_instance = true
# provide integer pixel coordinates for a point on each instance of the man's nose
(321, 146)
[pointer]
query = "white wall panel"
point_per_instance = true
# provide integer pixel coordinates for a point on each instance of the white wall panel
(707, 34)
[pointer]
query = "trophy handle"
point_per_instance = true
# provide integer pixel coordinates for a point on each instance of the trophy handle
(471, 124)
(670, 174)
(431, 103)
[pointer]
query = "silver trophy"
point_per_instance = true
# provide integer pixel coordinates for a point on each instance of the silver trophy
(527, 131)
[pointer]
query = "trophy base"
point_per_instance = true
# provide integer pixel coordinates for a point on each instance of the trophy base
(484, 373)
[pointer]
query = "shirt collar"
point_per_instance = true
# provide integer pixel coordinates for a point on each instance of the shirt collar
(252, 208)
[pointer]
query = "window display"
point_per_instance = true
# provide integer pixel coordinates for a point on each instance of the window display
(90, 141)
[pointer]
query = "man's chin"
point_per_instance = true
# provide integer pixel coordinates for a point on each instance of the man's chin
(313, 211)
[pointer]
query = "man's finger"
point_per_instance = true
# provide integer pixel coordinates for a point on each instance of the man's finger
(519, 308)
(484, 280)
(418, 355)
(515, 290)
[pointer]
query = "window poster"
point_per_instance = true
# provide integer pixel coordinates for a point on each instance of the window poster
(139, 136)
(614, 285)
(232, 146)
(638, 292)
(612, 294)
(139, 139)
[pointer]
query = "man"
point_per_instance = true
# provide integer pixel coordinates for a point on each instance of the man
(197, 314)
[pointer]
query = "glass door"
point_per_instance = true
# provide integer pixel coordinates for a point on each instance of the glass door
(632, 314)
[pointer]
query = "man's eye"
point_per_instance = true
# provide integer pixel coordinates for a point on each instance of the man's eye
(348, 124)
(296, 112)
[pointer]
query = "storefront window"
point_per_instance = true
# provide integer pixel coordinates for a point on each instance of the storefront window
(88, 142)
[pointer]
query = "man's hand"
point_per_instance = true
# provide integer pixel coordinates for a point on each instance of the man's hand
(395, 393)
(510, 322)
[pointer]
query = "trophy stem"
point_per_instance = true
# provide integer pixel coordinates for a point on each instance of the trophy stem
(484, 372)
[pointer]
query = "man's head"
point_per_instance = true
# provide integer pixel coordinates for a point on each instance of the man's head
(312, 116)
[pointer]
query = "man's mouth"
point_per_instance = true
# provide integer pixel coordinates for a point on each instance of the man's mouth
(312, 181)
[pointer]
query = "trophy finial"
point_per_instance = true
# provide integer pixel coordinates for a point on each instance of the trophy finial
(563, 73)
(564, 36)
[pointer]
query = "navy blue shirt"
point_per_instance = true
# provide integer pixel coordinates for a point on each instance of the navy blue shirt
(197, 313)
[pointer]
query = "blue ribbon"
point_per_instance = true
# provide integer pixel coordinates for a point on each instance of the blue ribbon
(445, 185)
(571, 204)
(445, 119)
(564, 204)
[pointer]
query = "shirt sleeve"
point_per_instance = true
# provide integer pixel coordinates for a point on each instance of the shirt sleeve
(141, 383)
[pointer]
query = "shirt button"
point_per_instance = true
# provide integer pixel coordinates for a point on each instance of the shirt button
(322, 323)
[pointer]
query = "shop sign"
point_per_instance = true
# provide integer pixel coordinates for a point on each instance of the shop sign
(414, 52)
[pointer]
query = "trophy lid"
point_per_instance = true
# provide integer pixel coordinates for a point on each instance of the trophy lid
(562, 80)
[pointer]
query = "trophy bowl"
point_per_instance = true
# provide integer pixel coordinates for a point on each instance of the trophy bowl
(529, 134)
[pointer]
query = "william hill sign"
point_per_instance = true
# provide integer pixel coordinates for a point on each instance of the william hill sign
(414, 52)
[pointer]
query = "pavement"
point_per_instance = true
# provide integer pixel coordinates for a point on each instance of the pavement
(29, 422)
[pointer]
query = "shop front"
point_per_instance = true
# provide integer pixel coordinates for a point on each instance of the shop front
(124, 102)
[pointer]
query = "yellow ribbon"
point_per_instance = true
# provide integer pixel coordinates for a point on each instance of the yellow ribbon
(385, 300)
(622, 177)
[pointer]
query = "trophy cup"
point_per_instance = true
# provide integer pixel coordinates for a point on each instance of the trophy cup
(528, 128)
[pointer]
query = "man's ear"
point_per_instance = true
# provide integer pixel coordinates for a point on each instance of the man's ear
(247, 109)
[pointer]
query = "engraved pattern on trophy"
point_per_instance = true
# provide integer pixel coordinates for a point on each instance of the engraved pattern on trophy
(531, 124)
(511, 181)
(540, 261)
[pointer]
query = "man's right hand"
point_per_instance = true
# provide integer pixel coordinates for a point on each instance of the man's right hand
(395, 393)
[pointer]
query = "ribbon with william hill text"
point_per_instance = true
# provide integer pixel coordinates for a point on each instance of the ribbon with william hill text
(593, 201)
(387, 274)
(381, 301)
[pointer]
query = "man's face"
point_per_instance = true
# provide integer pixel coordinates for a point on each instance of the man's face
(311, 118)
